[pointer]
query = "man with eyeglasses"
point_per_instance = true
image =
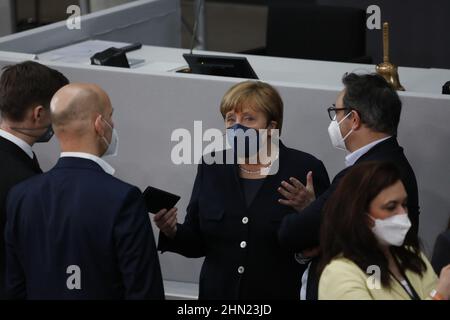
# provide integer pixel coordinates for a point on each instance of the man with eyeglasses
(364, 122)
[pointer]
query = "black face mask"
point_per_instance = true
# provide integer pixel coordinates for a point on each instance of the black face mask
(45, 137)
(48, 134)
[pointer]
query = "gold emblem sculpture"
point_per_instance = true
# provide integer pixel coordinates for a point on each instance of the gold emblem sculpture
(386, 69)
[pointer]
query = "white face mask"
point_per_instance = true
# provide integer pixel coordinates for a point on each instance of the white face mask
(391, 231)
(335, 133)
(113, 146)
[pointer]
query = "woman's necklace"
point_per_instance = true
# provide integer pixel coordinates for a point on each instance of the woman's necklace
(250, 171)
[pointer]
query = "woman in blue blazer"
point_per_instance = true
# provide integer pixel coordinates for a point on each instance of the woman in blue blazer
(235, 209)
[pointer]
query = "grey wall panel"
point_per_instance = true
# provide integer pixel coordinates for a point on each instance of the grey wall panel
(151, 22)
(7, 20)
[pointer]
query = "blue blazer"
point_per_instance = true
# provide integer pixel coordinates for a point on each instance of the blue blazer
(243, 257)
(77, 232)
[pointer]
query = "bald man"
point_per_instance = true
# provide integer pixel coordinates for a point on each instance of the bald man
(76, 232)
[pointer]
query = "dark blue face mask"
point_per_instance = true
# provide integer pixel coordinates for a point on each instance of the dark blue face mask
(244, 141)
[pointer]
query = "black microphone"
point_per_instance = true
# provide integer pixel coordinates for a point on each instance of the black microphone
(114, 57)
(194, 31)
(131, 47)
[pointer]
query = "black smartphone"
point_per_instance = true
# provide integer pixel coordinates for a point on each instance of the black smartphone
(157, 199)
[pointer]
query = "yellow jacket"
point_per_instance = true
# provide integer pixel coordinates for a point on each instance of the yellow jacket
(342, 279)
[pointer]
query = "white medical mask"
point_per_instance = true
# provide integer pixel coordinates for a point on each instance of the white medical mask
(113, 146)
(335, 133)
(391, 231)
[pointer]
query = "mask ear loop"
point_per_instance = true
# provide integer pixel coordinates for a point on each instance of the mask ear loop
(110, 126)
(103, 137)
(339, 123)
(346, 116)
(346, 136)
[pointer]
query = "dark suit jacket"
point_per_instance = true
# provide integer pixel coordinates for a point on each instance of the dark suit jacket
(300, 231)
(215, 227)
(78, 215)
(441, 252)
(15, 166)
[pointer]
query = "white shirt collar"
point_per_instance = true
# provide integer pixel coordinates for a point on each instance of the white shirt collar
(351, 158)
(18, 142)
(102, 163)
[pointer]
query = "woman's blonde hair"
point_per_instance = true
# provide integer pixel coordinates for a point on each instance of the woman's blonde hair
(257, 95)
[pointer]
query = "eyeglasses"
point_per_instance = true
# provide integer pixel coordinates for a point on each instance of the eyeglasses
(332, 111)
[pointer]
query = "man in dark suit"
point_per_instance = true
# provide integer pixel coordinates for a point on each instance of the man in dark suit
(76, 232)
(25, 93)
(365, 119)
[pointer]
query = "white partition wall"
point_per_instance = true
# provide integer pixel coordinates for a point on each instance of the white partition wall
(151, 22)
(96, 5)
